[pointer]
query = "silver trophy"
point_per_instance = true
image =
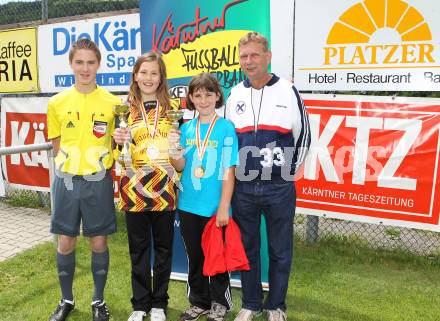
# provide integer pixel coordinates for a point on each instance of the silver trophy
(174, 116)
(121, 111)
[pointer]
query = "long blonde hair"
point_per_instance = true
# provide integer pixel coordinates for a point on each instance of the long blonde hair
(134, 94)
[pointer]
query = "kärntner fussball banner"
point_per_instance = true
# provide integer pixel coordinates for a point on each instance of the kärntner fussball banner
(197, 36)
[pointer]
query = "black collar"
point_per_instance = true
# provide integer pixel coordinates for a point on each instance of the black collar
(272, 81)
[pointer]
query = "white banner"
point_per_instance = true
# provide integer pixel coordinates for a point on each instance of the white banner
(281, 37)
(118, 38)
(375, 45)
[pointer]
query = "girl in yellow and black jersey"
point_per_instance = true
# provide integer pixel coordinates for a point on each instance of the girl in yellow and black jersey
(147, 186)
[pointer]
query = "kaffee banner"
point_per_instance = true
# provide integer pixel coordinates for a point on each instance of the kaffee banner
(373, 159)
(18, 61)
(375, 45)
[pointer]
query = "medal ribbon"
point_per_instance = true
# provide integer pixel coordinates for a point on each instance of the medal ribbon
(156, 120)
(201, 146)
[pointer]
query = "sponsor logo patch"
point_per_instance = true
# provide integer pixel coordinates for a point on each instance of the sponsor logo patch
(240, 108)
(99, 128)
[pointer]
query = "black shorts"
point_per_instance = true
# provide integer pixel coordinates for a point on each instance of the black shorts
(89, 199)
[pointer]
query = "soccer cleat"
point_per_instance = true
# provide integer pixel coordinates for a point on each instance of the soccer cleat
(100, 311)
(62, 311)
(192, 313)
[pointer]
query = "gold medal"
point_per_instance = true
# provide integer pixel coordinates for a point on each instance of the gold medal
(199, 172)
(152, 152)
(151, 132)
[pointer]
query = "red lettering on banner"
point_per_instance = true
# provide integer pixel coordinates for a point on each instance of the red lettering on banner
(27, 168)
(360, 151)
(32, 169)
(200, 26)
(373, 159)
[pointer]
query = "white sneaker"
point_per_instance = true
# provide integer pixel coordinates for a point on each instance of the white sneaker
(276, 315)
(246, 315)
(157, 315)
(137, 316)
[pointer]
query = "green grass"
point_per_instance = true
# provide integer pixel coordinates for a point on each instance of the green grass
(24, 198)
(334, 280)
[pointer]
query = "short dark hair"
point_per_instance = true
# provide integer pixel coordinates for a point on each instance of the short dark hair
(209, 83)
(84, 43)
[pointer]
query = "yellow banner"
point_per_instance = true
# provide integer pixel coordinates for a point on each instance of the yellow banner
(18, 61)
(217, 51)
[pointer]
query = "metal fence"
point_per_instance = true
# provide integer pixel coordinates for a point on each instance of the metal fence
(309, 228)
(28, 12)
(28, 198)
(377, 236)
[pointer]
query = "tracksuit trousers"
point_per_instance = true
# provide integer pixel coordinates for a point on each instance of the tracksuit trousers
(150, 292)
(202, 290)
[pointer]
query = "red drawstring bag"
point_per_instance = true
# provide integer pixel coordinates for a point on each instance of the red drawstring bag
(223, 255)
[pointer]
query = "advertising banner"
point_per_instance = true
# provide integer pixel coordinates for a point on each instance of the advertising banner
(118, 38)
(373, 159)
(197, 36)
(18, 61)
(202, 36)
(23, 123)
(375, 45)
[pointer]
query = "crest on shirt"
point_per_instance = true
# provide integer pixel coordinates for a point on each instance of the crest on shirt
(99, 128)
(240, 107)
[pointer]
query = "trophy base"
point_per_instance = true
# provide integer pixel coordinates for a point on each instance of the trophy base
(124, 159)
(175, 153)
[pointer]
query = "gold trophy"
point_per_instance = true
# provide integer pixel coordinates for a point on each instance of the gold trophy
(121, 111)
(174, 116)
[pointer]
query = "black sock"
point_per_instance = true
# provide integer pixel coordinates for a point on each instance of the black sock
(100, 262)
(66, 270)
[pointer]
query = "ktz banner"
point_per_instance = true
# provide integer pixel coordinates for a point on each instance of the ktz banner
(367, 45)
(373, 159)
(18, 61)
